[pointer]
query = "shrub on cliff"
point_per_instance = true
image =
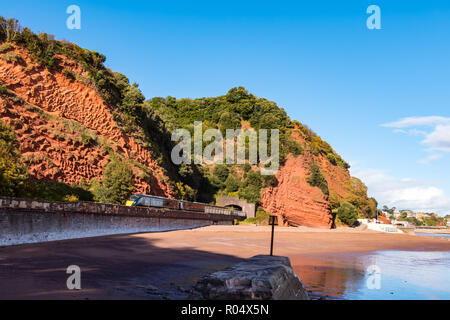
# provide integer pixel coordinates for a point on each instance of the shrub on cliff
(357, 196)
(9, 29)
(332, 158)
(13, 173)
(54, 191)
(254, 178)
(88, 140)
(250, 193)
(317, 179)
(335, 201)
(269, 181)
(251, 188)
(12, 57)
(69, 74)
(3, 90)
(229, 120)
(348, 214)
(185, 192)
(269, 121)
(132, 100)
(231, 184)
(221, 172)
(292, 146)
(6, 47)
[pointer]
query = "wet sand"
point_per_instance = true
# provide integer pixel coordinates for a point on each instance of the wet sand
(166, 265)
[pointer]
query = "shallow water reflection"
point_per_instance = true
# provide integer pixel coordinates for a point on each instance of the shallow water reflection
(402, 275)
(434, 235)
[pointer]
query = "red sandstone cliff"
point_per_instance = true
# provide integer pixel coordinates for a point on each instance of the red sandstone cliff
(48, 125)
(294, 200)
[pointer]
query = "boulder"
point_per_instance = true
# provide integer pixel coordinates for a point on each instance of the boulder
(258, 278)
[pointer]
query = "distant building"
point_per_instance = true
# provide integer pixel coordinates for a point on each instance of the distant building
(409, 214)
(396, 214)
(419, 215)
(384, 220)
(388, 215)
(401, 223)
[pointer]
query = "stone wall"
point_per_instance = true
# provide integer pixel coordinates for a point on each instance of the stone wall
(27, 221)
(258, 278)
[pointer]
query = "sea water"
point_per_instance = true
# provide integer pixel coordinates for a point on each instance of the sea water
(381, 275)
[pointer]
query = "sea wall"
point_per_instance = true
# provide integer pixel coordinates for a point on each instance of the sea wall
(389, 228)
(27, 221)
(258, 278)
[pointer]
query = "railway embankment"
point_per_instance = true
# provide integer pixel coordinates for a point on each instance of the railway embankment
(28, 221)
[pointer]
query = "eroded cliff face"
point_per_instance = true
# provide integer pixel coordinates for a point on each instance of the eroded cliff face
(294, 200)
(51, 117)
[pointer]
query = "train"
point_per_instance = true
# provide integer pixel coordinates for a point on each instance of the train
(141, 200)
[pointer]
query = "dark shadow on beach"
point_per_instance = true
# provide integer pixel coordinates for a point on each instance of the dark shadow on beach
(112, 267)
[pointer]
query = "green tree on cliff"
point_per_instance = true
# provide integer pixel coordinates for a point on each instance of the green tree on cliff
(117, 184)
(348, 214)
(317, 179)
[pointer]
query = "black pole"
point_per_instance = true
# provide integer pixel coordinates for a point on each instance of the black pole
(273, 232)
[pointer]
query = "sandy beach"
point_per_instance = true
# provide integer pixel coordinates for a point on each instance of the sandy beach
(166, 265)
(245, 241)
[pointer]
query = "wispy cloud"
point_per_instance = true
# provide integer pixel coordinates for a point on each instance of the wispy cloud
(435, 129)
(404, 193)
(431, 158)
(410, 122)
(439, 139)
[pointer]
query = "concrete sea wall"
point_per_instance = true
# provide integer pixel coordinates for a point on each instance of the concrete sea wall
(27, 221)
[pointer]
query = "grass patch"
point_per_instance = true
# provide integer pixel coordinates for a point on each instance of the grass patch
(12, 57)
(262, 218)
(6, 47)
(88, 140)
(69, 74)
(3, 90)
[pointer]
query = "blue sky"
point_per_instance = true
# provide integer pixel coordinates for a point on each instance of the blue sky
(316, 59)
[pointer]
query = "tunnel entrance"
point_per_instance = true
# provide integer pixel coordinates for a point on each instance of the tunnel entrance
(234, 207)
(237, 204)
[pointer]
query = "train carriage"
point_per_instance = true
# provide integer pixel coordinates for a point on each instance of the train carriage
(140, 200)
